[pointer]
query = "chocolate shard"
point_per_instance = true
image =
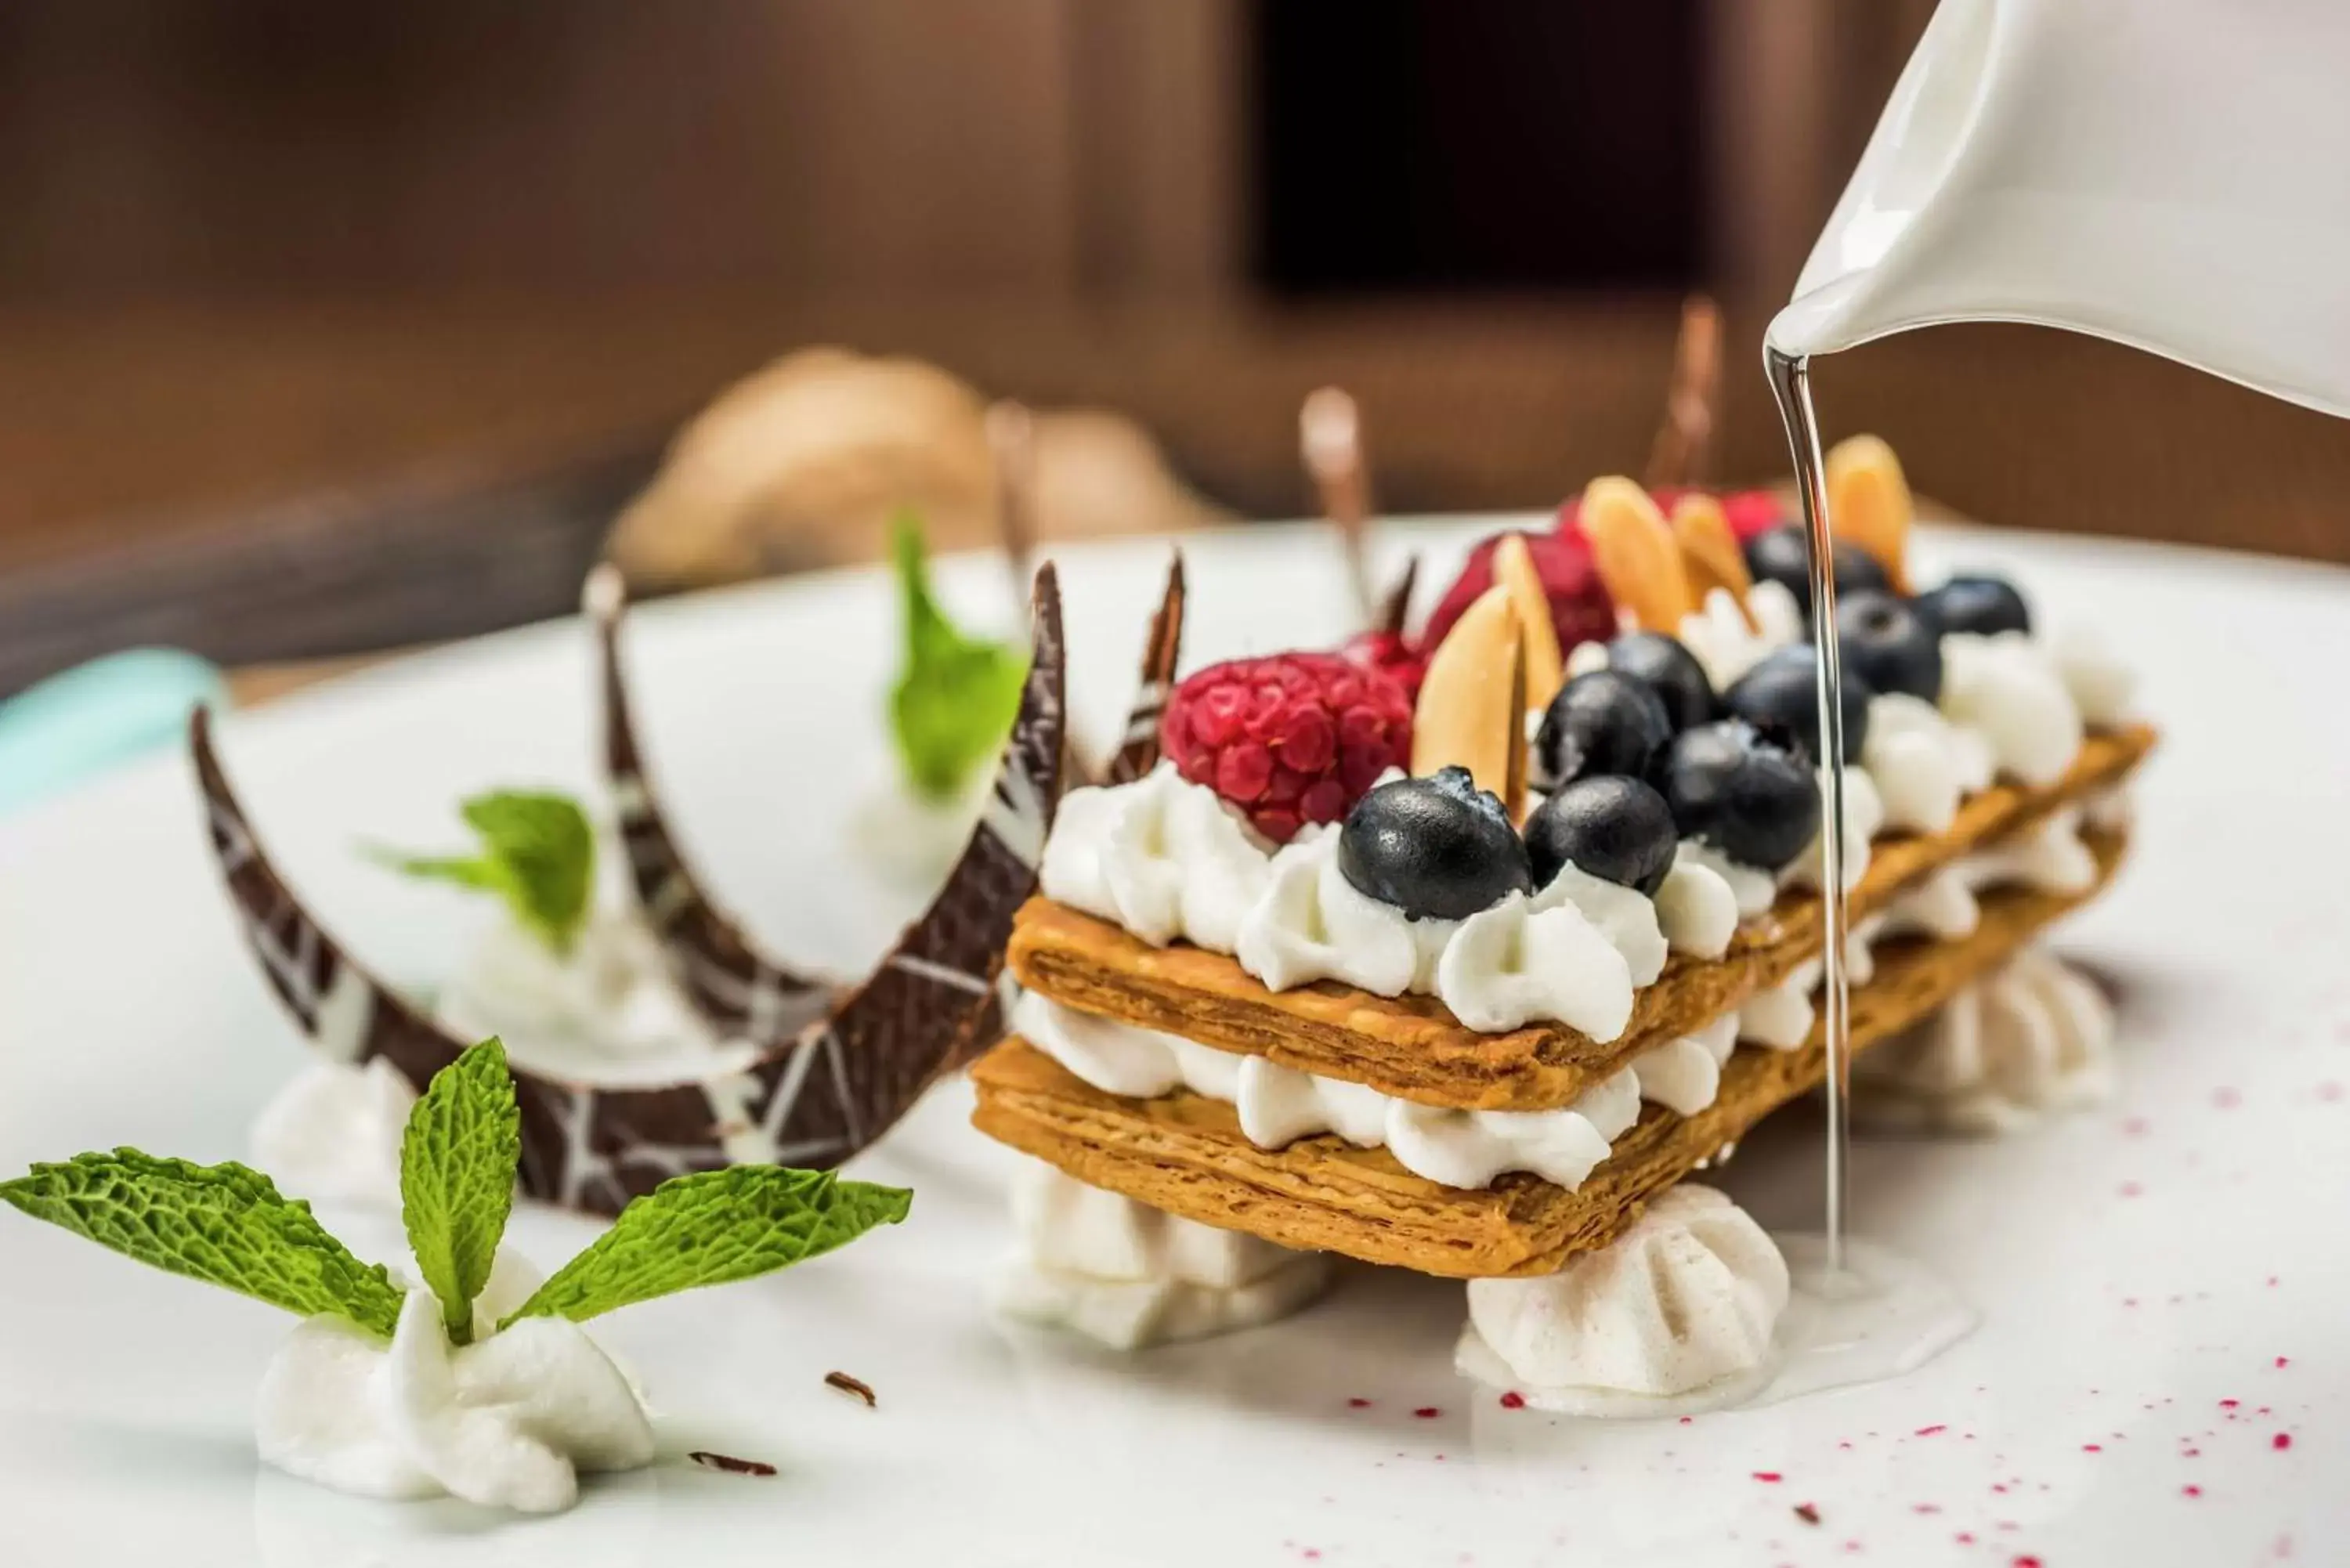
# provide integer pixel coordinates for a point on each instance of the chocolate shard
(1011, 432)
(743, 993)
(345, 1011)
(1138, 750)
(833, 1089)
(856, 1385)
(1684, 438)
(1330, 442)
(957, 946)
(1395, 609)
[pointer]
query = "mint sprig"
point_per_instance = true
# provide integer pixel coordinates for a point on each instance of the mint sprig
(713, 1228)
(228, 1225)
(956, 695)
(538, 853)
(223, 1224)
(457, 1161)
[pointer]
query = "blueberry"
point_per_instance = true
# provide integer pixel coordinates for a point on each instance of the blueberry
(1976, 603)
(1888, 643)
(1671, 669)
(1781, 556)
(1618, 829)
(1730, 786)
(1606, 721)
(1782, 693)
(1436, 848)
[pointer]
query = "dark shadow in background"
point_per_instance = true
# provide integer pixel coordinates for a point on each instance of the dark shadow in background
(1477, 145)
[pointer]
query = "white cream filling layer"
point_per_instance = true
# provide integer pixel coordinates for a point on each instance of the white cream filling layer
(1129, 1276)
(1162, 857)
(1725, 645)
(1277, 1106)
(2049, 858)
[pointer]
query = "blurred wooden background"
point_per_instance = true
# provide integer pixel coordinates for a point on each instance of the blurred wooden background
(330, 327)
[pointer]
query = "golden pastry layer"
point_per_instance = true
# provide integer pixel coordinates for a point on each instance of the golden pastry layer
(1413, 1047)
(1186, 1154)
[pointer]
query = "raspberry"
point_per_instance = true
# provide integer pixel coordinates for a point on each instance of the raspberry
(1752, 511)
(1391, 656)
(1579, 605)
(1291, 738)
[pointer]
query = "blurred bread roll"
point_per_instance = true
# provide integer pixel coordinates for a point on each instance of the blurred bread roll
(804, 462)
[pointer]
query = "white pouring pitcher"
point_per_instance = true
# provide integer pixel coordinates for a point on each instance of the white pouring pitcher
(2171, 174)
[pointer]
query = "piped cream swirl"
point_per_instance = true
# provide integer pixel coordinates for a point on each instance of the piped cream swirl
(1277, 1106)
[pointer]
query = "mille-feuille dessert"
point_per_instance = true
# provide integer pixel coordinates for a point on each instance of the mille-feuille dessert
(1457, 954)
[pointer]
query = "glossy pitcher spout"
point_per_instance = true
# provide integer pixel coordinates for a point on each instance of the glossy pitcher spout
(2168, 176)
(1854, 287)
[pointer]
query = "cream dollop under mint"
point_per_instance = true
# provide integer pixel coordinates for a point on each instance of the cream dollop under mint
(475, 1380)
(511, 1419)
(606, 1010)
(573, 980)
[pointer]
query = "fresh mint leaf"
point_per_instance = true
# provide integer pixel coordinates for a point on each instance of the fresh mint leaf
(956, 695)
(223, 1224)
(457, 1162)
(711, 1228)
(538, 853)
(548, 849)
(479, 872)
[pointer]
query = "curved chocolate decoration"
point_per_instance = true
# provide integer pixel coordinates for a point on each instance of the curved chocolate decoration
(717, 967)
(841, 1083)
(1137, 750)
(743, 994)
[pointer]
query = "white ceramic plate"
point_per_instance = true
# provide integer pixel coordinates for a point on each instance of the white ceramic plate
(2162, 1282)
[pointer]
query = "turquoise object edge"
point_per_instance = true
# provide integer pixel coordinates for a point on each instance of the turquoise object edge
(85, 722)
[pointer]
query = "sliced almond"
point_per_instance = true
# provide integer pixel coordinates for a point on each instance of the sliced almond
(1514, 569)
(1870, 505)
(1709, 552)
(1639, 559)
(1472, 701)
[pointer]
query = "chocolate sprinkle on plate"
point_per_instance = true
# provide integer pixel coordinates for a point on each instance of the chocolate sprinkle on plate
(730, 1464)
(847, 1385)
